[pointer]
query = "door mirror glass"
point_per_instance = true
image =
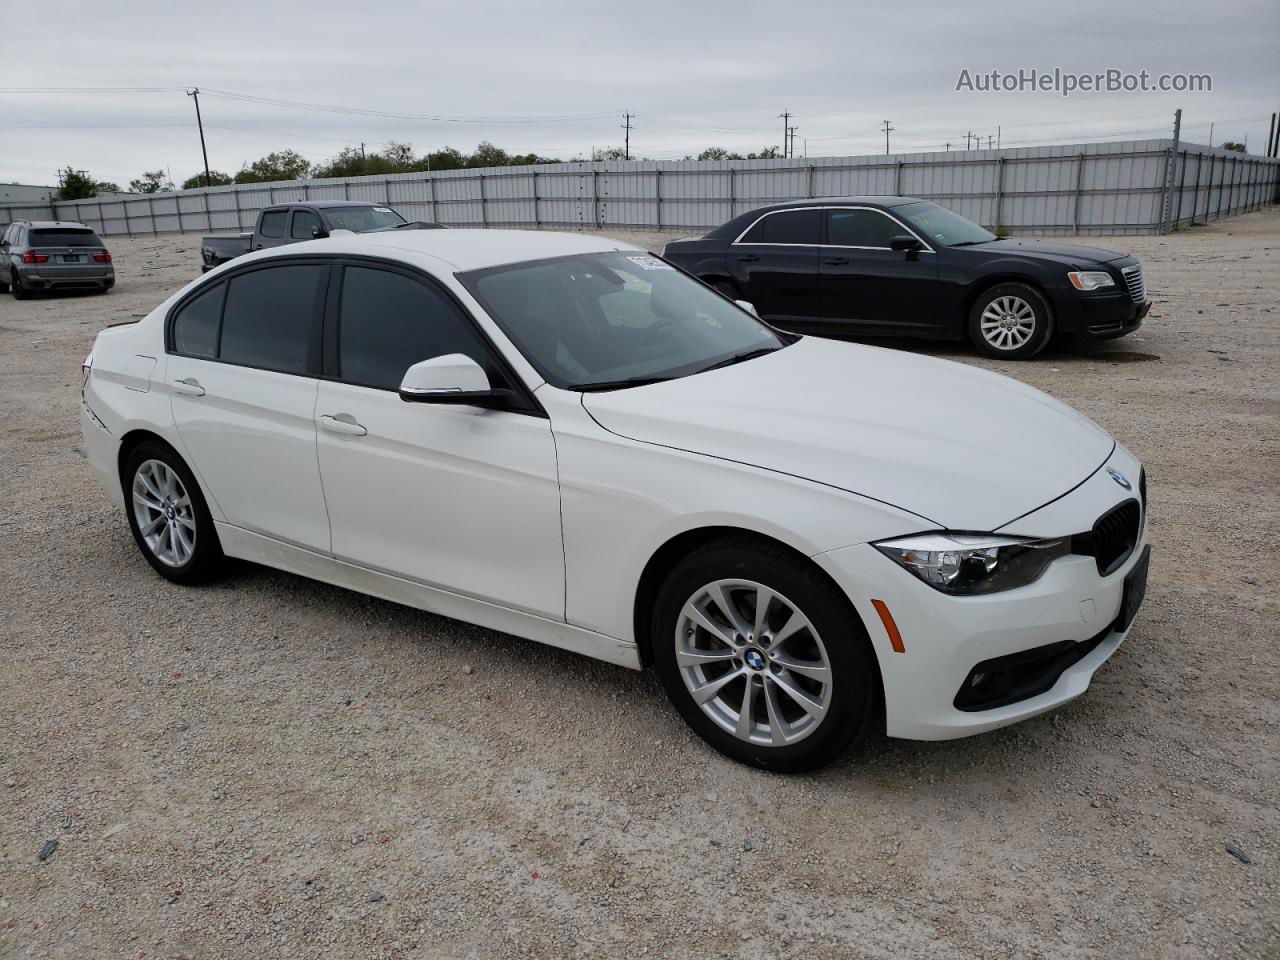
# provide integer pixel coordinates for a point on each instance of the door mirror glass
(454, 378)
(747, 306)
(904, 243)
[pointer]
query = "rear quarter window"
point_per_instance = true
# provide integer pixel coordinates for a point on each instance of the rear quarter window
(195, 325)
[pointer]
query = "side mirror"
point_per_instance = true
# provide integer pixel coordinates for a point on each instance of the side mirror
(904, 243)
(319, 233)
(454, 378)
(749, 307)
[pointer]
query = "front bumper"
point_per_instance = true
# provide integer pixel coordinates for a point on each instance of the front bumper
(945, 638)
(1098, 316)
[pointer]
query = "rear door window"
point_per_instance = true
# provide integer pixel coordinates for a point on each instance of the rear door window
(195, 326)
(272, 224)
(861, 228)
(787, 226)
(271, 317)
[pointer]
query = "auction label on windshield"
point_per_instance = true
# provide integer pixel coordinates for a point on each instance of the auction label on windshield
(650, 263)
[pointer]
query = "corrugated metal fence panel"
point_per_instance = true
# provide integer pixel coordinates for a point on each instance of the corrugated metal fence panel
(1099, 187)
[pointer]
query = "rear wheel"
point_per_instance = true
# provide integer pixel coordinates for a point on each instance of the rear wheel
(168, 515)
(1011, 321)
(17, 289)
(763, 657)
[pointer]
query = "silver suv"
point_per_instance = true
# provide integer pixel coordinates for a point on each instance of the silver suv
(48, 254)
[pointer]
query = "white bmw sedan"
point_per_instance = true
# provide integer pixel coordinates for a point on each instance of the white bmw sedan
(564, 438)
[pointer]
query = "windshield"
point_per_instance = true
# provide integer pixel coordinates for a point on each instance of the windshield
(63, 237)
(942, 225)
(596, 321)
(360, 219)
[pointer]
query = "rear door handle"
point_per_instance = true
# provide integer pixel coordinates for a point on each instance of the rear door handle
(749, 258)
(188, 386)
(836, 261)
(342, 423)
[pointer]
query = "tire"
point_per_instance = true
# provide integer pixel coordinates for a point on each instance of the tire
(841, 679)
(17, 289)
(1010, 321)
(726, 288)
(157, 507)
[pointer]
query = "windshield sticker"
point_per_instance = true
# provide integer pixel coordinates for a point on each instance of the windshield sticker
(650, 263)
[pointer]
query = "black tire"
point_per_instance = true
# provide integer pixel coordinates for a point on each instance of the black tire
(855, 686)
(727, 288)
(17, 289)
(1024, 301)
(206, 558)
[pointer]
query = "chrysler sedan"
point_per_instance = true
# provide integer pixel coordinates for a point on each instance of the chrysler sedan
(566, 439)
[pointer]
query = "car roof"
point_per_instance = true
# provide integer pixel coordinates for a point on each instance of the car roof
(57, 224)
(743, 220)
(326, 204)
(464, 249)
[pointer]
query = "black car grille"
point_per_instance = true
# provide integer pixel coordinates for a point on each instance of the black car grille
(1115, 535)
(1134, 281)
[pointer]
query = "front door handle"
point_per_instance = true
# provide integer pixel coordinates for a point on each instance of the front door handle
(749, 258)
(836, 261)
(342, 423)
(188, 386)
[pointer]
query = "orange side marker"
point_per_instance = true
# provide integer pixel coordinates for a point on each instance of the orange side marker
(891, 628)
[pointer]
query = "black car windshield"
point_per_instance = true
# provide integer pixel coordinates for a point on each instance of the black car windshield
(63, 237)
(943, 226)
(360, 219)
(612, 320)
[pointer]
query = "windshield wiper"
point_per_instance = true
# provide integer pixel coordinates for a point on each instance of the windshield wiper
(974, 243)
(619, 384)
(739, 358)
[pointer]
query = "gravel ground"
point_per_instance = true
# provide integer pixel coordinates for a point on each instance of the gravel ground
(270, 767)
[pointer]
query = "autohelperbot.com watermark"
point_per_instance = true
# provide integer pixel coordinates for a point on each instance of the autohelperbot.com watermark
(1066, 82)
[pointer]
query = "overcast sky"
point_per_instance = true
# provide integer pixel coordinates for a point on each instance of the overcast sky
(555, 76)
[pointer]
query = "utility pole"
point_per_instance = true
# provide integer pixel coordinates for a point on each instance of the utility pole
(791, 135)
(948, 146)
(967, 137)
(1211, 134)
(362, 150)
(887, 128)
(626, 150)
(1271, 138)
(785, 117)
(997, 137)
(990, 140)
(1171, 160)
(194, 93)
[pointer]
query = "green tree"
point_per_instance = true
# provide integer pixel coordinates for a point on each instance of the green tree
(78, 185)
(152, 181)
(280, 165)
(766, 153)
(1232, 145)
(216, 179)
(719, 153)
(448, 158)
(487, 155)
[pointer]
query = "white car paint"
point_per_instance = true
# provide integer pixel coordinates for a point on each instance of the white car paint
(544, 527)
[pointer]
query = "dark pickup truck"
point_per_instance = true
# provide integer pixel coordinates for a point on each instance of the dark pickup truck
(295, 222)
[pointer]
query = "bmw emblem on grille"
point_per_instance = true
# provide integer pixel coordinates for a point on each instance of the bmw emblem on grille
(754, 660)
(1119, 478)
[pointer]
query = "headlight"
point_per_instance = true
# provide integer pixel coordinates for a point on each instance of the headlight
(966, 564)
(1090, 279)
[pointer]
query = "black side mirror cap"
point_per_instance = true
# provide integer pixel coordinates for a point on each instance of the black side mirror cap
(496, 399)
(319, 233)
(904, 243)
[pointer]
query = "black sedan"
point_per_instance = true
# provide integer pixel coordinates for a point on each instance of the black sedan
(902, 266)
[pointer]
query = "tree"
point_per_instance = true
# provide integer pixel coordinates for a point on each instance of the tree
(78, 185)
(719, 153)
(152, 181)
(766, 153)
(611, 153)
(448, 158)
(1232, 145)
(216, 179)
(487, 155)
(280, 165)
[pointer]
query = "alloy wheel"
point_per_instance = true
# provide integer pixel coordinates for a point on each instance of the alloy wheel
(753, 662)
(163, 511)
(1008, 322)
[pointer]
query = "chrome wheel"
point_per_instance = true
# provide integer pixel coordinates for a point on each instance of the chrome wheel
(164, 514)
(753, 662)
(1008, 323)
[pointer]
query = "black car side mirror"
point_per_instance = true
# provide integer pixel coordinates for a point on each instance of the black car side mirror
(904, 243)
(319, 233)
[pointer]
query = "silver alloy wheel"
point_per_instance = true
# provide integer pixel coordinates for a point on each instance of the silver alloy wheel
(164, 514)
(1008, 323)
(753, 662)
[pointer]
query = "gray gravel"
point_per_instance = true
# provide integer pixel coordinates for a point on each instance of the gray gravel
(269, 767)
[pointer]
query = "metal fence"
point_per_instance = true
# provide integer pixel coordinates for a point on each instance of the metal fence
(1144, 186)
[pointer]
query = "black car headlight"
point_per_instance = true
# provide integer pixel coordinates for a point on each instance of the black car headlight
(965, 564)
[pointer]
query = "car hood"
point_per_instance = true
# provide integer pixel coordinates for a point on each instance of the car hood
(953, 444)
(1049, 249)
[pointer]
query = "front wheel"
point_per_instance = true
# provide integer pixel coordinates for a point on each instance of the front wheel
(168, 515)
(1011, 321)
(763, 657)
